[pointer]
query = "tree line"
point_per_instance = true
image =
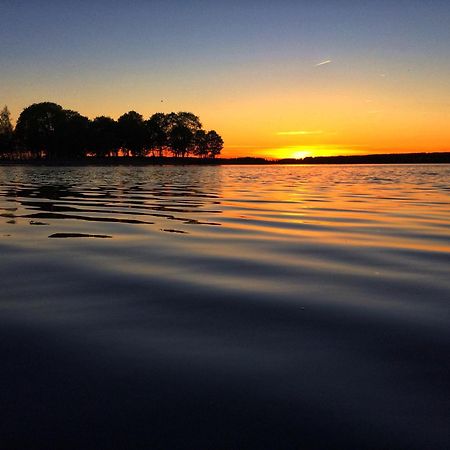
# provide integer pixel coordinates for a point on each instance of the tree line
(47, 130)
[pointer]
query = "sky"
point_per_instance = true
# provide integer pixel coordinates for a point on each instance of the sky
(275, 79)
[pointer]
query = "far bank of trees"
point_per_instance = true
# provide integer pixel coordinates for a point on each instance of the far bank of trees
(46, 130)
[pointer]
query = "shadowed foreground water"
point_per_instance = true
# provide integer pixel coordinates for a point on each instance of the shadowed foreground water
(225, 307)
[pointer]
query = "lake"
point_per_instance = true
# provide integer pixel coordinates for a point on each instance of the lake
(225, 307)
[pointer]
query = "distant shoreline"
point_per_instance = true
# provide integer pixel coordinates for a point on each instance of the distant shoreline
(390, 158)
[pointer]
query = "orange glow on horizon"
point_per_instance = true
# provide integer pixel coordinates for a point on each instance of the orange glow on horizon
(297, 152)
(334, 116)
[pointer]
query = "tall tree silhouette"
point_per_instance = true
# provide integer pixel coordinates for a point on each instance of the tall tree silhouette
(6, 132)
(201, 144)
(73, 135)
(156, 133)
(132, 133)
(181, 140)
(38, 128)
(181, 129)
(214, 143)
(104, 138)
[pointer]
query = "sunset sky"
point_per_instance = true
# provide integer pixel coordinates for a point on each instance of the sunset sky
(278, 79)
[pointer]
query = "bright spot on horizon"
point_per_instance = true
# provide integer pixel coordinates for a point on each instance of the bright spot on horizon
(301, 155)
(314, 150)
(328, 61)
(298, 133)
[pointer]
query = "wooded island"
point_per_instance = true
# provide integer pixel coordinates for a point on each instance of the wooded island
(48, 131)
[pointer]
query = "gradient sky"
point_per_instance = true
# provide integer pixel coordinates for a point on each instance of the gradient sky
(281, 79)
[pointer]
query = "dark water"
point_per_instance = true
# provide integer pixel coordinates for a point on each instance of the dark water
(225, 307)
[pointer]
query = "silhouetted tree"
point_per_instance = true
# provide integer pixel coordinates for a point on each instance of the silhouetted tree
(6, 132)
(214, 143)
(104, 139)
(132, 133)
(201, 144)
(181, 140)
(156, 133)
(38, 128)
(73, 135)
(181, 128)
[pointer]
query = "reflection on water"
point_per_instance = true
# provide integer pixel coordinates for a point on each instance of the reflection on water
(225, 307)
(134, 196)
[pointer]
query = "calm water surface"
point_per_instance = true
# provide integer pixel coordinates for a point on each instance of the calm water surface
(225, 307)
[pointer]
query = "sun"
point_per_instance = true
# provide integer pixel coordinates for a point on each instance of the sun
(301, 154)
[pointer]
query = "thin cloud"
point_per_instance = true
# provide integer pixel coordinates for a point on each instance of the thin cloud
(298, 133)
(322, 63)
